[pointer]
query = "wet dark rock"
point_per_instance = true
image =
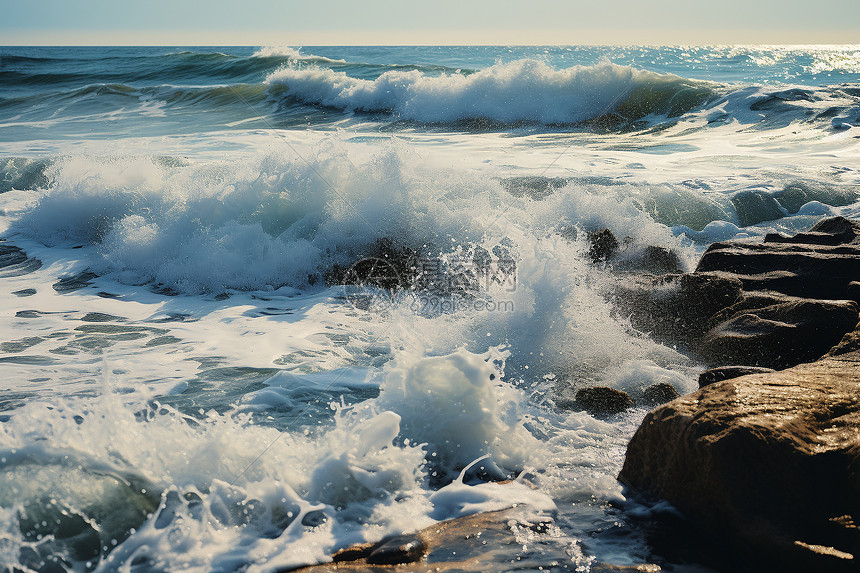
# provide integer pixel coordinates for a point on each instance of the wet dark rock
(852, 291)
(603, 245)
(396, 550)
(776, 331)
(830, 249)
(602, 401)
(222, 296)
(842, 227)
(771, 304)
(14, 262)
(659, 260)
(755, 207)
(675, 307)
(480, 542)
(74, 282)
(25, 292)
(728, 372)
(387, 265)
(765, 467)
(659, 393)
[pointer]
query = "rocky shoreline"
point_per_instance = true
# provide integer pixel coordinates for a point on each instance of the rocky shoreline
(764, 465)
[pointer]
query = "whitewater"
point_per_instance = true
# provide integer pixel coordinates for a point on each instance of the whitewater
(263, 303)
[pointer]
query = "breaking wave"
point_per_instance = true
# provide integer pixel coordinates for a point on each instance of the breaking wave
(520, 91)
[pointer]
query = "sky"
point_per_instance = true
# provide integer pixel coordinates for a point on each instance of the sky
(380, 22)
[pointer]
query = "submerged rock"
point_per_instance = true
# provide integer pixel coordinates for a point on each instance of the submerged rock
(603, 245)
(767, 467)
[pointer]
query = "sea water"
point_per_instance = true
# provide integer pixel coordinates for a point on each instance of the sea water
(186, 385)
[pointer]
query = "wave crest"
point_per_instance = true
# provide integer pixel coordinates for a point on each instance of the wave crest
(294, 54)
(519, 91)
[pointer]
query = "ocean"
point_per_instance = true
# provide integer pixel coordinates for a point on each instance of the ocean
(263, 303)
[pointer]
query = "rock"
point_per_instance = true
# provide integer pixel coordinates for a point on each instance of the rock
(771, 304)
(776, 331)
(601, 401)
(387, 265)
(14, 262)
(676, 307)
(766, 467)
(839, 263)
(845, 228)
(852, 291)
(74, 282)
(603, 245)
(659, 260)
(480, 542)
(793, 265)
(398, 549)
(659, 393)
(755, 207)
(728, 372)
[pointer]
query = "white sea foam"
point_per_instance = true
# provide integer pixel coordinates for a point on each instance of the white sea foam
(237, 493)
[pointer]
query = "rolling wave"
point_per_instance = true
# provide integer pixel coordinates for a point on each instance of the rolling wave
(519, 91)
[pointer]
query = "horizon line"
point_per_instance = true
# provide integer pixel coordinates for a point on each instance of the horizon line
(615, 37)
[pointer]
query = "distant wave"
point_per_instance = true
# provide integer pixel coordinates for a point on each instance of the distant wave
(520, 91)
(294, 54)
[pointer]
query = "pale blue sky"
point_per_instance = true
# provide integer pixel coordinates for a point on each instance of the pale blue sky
(257, 22)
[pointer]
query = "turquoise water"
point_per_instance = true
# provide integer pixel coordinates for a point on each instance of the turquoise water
(187, 385)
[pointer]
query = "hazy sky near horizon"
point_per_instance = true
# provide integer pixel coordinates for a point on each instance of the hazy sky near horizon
(258, 22)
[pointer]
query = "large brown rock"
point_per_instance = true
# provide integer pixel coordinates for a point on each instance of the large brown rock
(776, 331)
(817, 264)
(773, 304)
(676, 307)
(766, 465)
